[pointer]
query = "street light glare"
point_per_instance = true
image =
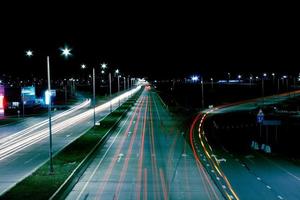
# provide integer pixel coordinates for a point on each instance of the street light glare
(104, 66)
(102, 72)
(195, 78)
(29, 53)
(66, 52)
(83, 66)
(117, 71)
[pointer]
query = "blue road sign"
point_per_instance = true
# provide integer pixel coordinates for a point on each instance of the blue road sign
(260, 116)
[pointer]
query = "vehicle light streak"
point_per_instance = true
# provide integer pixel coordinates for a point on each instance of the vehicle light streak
(31, 135)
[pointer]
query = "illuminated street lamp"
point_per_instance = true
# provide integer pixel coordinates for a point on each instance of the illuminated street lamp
(250, 79)
(117, 72)
(195, 78)
(83, 66)
(29, 53)
(212, 83)
(66, 52)
(103, 66)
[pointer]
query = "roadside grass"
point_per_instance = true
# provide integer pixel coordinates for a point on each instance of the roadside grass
(41, 185)
(9, 120)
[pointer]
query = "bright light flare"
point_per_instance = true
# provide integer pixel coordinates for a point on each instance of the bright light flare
(104, 66)
(195, 78)
(66, 52)
(29, 53)
(83, 66)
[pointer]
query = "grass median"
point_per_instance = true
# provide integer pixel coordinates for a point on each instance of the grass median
(41, 185)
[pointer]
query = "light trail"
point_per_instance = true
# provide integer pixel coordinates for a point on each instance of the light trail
(31, 135)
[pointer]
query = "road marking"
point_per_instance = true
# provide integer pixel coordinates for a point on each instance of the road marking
(223, 186)
(280, 197)
(269, 187)
(120, 157)
(217, 178)
(258, 178)
(68, 135)
(98, 165)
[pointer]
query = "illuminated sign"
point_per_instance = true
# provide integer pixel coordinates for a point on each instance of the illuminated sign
(1, 100)
(28, 95)
(48, 96)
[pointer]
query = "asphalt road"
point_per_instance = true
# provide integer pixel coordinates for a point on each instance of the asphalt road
(25, 146)
(146, 157)
(254, 176)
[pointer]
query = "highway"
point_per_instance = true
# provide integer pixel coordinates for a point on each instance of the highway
(254, 176)
(146, 157)
(25, 146)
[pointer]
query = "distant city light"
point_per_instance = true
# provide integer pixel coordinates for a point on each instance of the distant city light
(83, 66)
(239, 76)
(284, 76)
(273, 74)
(211, 79)
(66, 52)
(117, 71)
(264, 74)
(195, 78)
(256, 77)
(29, 53)
(251, 77)
(102, 72)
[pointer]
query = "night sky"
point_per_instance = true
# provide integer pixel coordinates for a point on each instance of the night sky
(156, 41)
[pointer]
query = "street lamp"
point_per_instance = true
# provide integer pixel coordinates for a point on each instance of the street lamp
(103, 66)
(202, 92)
(250, 79)
(66, 52)
(212, 83)
(29, 53)
(83, 66)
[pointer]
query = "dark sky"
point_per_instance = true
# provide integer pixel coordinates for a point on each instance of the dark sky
(161, 40)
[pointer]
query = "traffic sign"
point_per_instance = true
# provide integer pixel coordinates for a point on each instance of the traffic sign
(260, 116)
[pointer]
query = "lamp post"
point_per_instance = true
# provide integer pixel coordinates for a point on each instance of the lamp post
(250, 79)
(49, 116)
(212, 83)
(94, 96)
(202, 92)
(118, 76)
(124, 79)
(263, 87)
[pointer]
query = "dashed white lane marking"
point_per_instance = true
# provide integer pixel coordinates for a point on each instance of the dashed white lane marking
(218, 178)
(269, 187)
(68, 136)
(258, 178)
(223, 186)
(120, 157)
(280, 197)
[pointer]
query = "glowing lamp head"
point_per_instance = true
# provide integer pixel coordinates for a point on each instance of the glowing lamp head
(103, 66)
(264, 74)
(195, 78)
(66, 52)
(239, 76)
(83, 66)
(29, 53)
(117, 71)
